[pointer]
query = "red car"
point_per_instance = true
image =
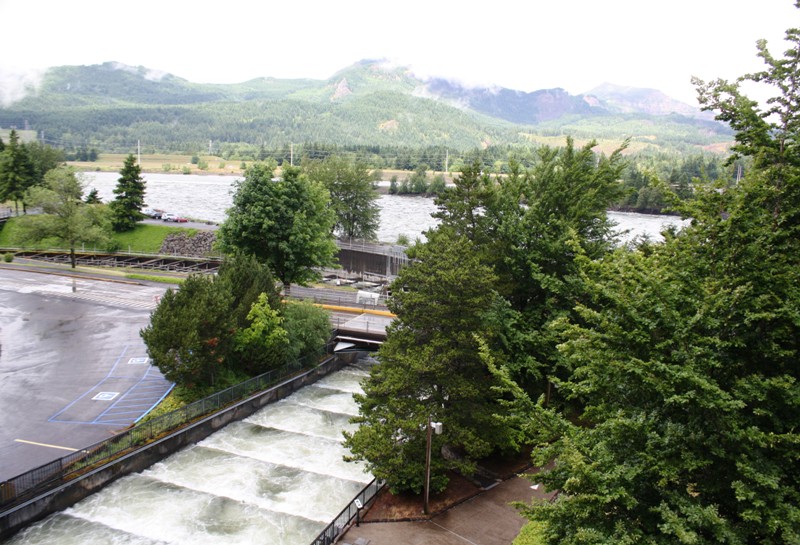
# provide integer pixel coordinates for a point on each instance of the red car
(173, 217)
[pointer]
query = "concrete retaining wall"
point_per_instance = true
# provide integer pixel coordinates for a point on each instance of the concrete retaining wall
(66, 495)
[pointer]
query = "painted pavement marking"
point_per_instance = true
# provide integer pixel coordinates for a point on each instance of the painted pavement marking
(45, 445)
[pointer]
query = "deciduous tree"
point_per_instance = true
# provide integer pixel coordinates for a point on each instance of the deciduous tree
(65, 217)
(684, 357)
(286, 223)
(353, 195)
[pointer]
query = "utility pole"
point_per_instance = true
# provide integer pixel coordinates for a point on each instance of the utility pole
(139, 151)
(432, 426)
(291, 154)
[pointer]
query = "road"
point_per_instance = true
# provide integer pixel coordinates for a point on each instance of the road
(73, 369)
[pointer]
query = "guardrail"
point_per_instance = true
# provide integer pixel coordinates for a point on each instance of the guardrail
(346, 515)
(47, 476)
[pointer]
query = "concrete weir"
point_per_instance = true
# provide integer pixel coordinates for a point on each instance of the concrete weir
(68, 494)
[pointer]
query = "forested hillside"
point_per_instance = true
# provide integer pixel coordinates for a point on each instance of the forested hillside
(111, 107)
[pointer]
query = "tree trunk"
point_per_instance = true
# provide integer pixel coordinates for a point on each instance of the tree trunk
(72, 258)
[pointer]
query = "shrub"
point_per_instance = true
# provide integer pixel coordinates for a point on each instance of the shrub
(8, 257)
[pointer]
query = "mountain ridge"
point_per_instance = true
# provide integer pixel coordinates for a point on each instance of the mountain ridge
(368, 102)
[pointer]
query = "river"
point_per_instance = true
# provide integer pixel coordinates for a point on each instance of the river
(207, 197)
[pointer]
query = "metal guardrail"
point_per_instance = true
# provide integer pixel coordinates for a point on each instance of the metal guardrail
(44, 477)
(394, 250)
(346, 515)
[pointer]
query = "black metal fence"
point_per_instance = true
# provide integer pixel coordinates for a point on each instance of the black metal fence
(346, 516)
(45, 477)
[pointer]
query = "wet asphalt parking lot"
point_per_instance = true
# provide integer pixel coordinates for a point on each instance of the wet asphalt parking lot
(73, 368)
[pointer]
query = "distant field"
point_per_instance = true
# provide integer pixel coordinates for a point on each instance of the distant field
(173, 164)
(603, 146)
(111, 162)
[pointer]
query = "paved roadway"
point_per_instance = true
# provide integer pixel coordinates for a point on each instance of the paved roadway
(73, 368)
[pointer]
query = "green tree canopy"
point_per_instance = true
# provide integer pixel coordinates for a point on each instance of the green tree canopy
(65, 217)
(126, 208)
(353, 195)
(189, 335)
(286, 223)
(430, 367)
(17, 173)
(215, 331)
(43, 159)
(684, 358)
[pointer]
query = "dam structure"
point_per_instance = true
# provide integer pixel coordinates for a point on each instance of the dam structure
(276, 477)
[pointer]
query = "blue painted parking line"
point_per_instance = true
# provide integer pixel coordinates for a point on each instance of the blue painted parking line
(120, 412)
(55, 417)
(123, 397)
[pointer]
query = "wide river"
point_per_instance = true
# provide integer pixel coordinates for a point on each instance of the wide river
(208, 197)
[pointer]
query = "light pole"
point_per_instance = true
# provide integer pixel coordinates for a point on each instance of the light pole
(432, 426)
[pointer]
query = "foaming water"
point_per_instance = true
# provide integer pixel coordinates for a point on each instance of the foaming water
(278, 477)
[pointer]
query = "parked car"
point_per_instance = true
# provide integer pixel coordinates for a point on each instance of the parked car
(169, 216)
(153, 213)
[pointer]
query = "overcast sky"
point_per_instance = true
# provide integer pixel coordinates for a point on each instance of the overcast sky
(521, 44)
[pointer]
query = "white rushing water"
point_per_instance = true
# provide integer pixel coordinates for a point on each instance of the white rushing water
(277, 477)
(208, 198)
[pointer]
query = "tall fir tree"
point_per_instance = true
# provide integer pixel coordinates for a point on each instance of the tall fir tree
(16, 171)
(126, 208)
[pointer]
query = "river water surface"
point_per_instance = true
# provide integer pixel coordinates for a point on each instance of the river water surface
(208, 197)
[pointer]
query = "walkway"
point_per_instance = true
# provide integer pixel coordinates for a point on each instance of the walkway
(488, 518)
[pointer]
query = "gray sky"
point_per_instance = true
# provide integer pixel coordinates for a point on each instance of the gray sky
(520, 44)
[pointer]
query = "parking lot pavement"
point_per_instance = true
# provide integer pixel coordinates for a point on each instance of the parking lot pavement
(73, 368)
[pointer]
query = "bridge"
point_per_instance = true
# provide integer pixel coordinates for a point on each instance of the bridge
(359, 325)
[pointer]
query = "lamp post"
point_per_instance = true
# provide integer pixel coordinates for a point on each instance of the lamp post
(432, 426)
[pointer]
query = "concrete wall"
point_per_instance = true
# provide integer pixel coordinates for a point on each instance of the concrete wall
(65, 495)
(365, 261)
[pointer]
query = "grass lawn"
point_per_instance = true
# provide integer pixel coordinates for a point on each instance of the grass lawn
(146, 239)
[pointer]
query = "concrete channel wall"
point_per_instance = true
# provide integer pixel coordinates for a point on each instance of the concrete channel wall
(66, 495)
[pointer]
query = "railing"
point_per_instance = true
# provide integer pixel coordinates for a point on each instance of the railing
(346, 516)
(44, 477)
(156, 262)
(372, 247)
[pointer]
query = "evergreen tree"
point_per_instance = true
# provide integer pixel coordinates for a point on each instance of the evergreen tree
(17, 173)
(43, 158)
(126, 208)
(93, 197)
(430, 367)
